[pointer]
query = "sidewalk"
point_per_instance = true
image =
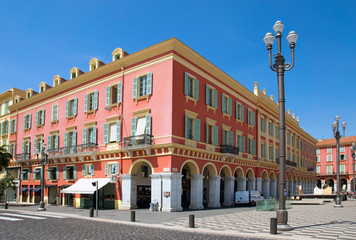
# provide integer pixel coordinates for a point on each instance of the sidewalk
(309, 221)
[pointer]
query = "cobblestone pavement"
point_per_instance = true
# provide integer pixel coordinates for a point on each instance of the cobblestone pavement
(308, 221)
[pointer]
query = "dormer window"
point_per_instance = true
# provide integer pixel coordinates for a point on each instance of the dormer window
(75, 72)
(41, 89)
(73, 75)
(28, 95)
(118, 53)
(58, 80)
(94, 64)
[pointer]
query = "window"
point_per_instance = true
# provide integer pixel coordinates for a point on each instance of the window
(211, 132)
(37, 174)
(329, 158)
(317, 158)
(240, 142)
(263, 150)
(250, 117)
(112, 168)
(73, 75)
(276, 130)
(37, 144)
(28, 95)
(190, 133)
(270, 128)
(329, 150)
(271, 152)
(91, 101)
(342, 149)
(329, 169)
(142, 86)
(317, 151)
(12, 148)
(211, 96)
(192, 126)
(112, 132)
(69, 172)
(13, 124)
(191, 86)
(277, 153)
(25, 174)
(6, 106)
(317, 169)
(251, 146)
(227, 137)
(52, 142)
(113, 94)
(292, 140)
(226, 104)
(5, 127)
(88, 170)
(26, 146)
(55, 113)
(239, 111)
(70, 141)
(263, 124)
(342, 169)
(53, 173)
(71, 107)
(40, 118)
(288, 137)
(343, 157)
(89, 135)
(141, 125)
(27, 122)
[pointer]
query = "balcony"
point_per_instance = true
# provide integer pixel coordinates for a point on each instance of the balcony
(80, 151)
(310, 169)
(229, 151)
(23, 158)
(288, 163)
(138, 142)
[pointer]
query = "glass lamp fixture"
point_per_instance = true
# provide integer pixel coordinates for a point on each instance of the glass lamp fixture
(278, 27)
(268, 39)
(292, 37)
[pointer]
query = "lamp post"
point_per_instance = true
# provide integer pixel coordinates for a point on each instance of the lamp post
(337, 136)
(44, 154)
(353, 149)
(280, 67)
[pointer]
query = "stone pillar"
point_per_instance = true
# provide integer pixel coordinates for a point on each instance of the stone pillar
(294, 187)
(259, 184)
(241, 184)
(129, 192)
(214, 192)
(273, 188)
(251, 184)
(229, 191)
(196, 192)
(266, 187)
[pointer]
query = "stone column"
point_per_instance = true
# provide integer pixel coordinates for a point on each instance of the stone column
(229, 191)
(251, 184)
(129, 192)
(273, 188)
(241, 184)
(259, 185)
(172, 186)
(196, 192)
(214, 192)
(156, 189)
(266, 187)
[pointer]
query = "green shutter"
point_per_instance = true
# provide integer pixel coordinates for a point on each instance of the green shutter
(23, 147)
(133, 126)
(207, 132)
(84, 136)
(106, 133)
(106, 169)
(253, 118)
(28, 173)
(186, 126)
(75, 106)
(119, 92)
(236, 110)
(10, 126)
(56, 142)
(118, 127)
(34, 145)
(74, 172)
(230, 106)
(43, 116)
(96, 96)
(242, 113)
(238, 142)
(48, 174)
(216, 135)
(49, 142)
(93, 140)
(117, 168)
(134, 88)
(223, 103)
(243, 144)
(86, 103)
(197, 129)
(207, 95)
(29, 120)
(36, 122)
(148, 124)
(65, 139)
(67, 109)
(186, 83)
(248, 116)
(15, 123)
(223, 137)
(107, 96)
(197, 89)
(64, 173)
(149, 83)
(215, 98)
(92, 169)
(254, 147)
(83, 170)
(231, 138)
(74, 139)
(57, 173)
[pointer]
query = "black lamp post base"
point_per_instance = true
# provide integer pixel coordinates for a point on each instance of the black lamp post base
(282, 221)
(41, 207)
(338, 205)
(284, 227)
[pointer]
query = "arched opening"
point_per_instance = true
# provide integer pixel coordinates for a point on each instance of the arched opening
(265, 185)
(226, 187)
(251, 183)
(240, 180)
(318, 183)
(211, 186)
(330, 183)
(343, 184)
(273, 185)
(191, 197)
(143, 172)
(186, 186)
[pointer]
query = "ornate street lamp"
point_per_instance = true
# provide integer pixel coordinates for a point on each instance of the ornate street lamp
(337, 136)
(44, 154)
(280, 67)
(353, 149)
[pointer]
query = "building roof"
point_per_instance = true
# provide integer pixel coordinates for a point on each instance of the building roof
(332, 141)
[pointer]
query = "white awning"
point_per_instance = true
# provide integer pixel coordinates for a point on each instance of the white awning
(85, 186)
(141, 126)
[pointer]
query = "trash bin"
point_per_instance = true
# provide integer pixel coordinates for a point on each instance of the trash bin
(6, 205)
(91, 212)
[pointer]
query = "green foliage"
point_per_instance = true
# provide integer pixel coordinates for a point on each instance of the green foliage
(5, 158)
(5, 183)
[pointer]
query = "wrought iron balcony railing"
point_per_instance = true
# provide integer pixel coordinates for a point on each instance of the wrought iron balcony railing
(310, 169)
(23, 156)
(137, 141)
(229, 149)
(288, 163)
(73, 150)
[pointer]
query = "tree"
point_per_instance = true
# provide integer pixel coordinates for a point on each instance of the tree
(5, 158)
(5, 183)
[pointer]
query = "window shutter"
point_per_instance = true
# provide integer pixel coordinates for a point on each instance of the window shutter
(186, 126)
(149, 83)
(223, 137)
(15, 123)
(43, 116)
(2, 127)
(64, 173)
(230, 106)
(107, 96)
(36, 122)
(236, 110)
(207, 132)
(118, 131)
(106, 169)
(65, 139)
(29, 120)
(75, 106)
(57, 173)
(254, 147)
(29, 147)
(28, 173)
(197, 89)
(85, 136)
(242, 113)
(253, 118)
(197, 129)
(23, 147)
(106, 133)
(243, 144)
(10, 126)
(207, 95)
(14, 150)
(86, 103)
(148, 124)
(186, 83)
(92, 169)
(74, 139)
(83, 170)
(134, 88)
(49, 142)
(119, 92)
(67, 109)
(55, 112)
(48, 174)
(117, 168)
(96, 96)
(56, 141)
(216, 135)
(231, 138)
(74, 172)
(238, 142)
(223, 103)
(93, 140)
(215, 98)
(34, 145)
(133, 126)
(264, 124)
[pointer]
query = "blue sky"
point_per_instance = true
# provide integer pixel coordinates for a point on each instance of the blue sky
(40, 39)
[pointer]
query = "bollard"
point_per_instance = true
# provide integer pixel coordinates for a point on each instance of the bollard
(91, 212)
(6, 205)
(133, 217)
(191, 221)
(273, 227)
